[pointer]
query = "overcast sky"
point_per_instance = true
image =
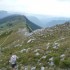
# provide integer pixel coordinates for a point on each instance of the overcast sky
(47, 7)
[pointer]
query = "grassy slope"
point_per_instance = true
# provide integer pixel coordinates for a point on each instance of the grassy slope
(9, 34)
(51, 35)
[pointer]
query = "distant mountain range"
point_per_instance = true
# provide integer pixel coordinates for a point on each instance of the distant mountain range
(15, 19)
(34, 20)
(40, 20)
(47, 21)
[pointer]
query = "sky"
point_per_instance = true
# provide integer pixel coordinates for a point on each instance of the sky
(44, 7)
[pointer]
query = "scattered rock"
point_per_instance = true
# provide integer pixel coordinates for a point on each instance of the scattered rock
(33, 68)
(42, 68)
(36, 50)
(37, 54)
(30, 40)
(56, 45)
(51, 59)
(44, 57)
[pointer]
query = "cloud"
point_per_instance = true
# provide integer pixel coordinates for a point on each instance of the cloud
(64, 0)
(50, 7)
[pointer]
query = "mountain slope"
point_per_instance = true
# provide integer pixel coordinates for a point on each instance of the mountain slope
(32, 25)
(17, 19)
(48, 48)
(34, 20)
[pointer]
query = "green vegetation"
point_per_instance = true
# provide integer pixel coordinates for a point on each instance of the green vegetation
(48, 47)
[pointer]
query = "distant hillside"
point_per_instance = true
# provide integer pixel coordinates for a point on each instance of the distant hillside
(32, 25)
(46, 20)
(55, 22)
(39, 20)
(34, 20)
(17, 19)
